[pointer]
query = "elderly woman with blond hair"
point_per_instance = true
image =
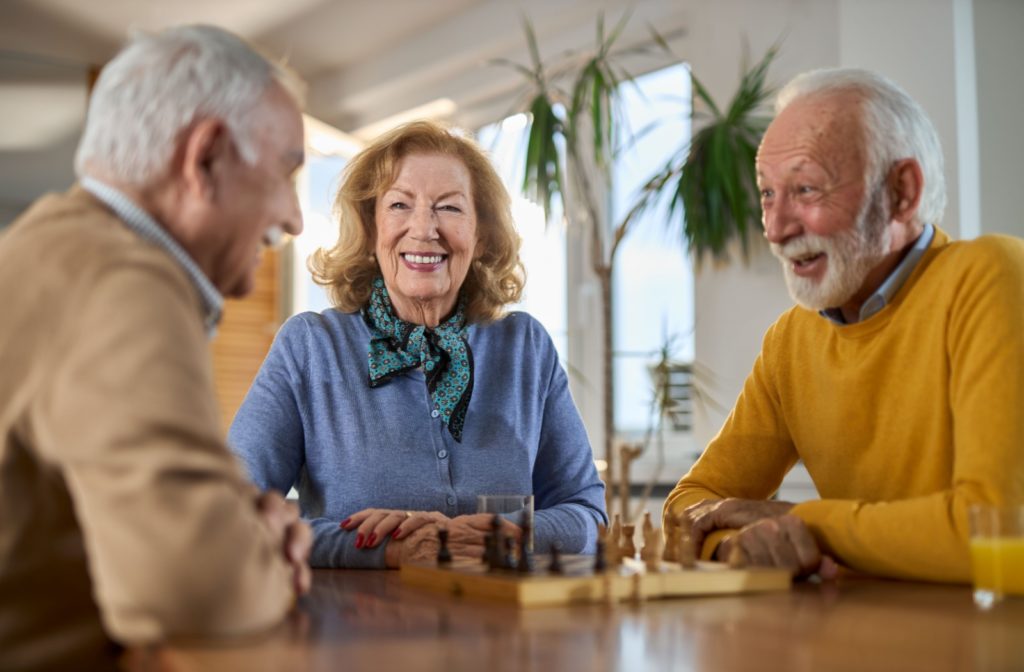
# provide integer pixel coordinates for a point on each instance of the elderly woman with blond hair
(392, 411)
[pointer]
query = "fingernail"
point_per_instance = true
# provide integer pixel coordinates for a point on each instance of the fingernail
(345, 522)
(373, 538)
(394, 535)
(359, 541)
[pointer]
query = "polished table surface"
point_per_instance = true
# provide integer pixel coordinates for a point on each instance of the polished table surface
(363, 620)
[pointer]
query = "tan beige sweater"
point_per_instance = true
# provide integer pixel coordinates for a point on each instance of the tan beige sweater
(123, 516)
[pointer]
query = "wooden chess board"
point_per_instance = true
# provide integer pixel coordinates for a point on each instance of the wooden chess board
(579, 584)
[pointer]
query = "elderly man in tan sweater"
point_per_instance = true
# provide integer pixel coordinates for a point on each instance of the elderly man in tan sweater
(124, 519)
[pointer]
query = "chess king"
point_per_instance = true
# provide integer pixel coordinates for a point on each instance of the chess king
(898, 379)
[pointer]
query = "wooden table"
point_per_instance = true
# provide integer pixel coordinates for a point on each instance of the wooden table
(363, 620)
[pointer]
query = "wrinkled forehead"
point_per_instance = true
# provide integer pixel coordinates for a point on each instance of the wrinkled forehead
(825, 128)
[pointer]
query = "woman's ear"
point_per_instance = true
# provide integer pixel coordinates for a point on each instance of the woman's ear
(206, 147)
(905, 184)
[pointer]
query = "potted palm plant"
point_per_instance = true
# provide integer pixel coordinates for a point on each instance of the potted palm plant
(574, 111)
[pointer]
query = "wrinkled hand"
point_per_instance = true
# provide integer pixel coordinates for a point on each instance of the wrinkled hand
(731, 514)
(783, 542)
(373, 526)
(465, 540)
(296, 538)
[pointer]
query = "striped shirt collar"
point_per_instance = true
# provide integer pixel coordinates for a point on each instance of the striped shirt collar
(142, 223)
(892, 284)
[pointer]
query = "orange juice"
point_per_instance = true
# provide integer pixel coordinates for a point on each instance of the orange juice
(998, 564)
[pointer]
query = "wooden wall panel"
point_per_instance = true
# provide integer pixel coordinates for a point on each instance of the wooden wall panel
(245, 335)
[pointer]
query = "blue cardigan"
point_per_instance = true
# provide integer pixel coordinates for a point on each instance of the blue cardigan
(311, 420)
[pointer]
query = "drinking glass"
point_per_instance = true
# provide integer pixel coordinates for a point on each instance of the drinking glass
(516, 509)
(997, 552)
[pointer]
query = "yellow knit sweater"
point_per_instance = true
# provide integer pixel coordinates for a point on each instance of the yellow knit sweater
(902, 420)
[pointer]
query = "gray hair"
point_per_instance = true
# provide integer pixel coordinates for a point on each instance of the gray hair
(895, 128)
(162, 83)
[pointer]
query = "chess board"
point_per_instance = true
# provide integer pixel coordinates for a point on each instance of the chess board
(579, 584)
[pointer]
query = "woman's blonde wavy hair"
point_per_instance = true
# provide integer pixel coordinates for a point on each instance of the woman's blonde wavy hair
(347, 270)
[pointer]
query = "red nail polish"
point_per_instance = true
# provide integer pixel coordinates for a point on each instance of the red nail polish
(373, 538)
(359, 541)
(345, 522)
(394, 535)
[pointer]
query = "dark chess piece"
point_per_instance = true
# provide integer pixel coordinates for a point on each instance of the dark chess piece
(509, 557)
(600, 564)
(525, 565)
(444, 556)
(495, 560)
(556, 559)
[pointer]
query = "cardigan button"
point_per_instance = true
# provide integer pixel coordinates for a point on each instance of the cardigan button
(434, 413)
(442, 453)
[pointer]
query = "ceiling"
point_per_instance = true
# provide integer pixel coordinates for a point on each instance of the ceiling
(364, 61)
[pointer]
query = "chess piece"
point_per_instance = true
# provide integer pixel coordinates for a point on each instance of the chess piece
(525, 564)
(556, 559)
(444, 556)
(647, 525)
(687, 552)
(651, 553)
(628, 549)
(496, 544)
(612, 554)
(615, 536)
(600, 562)
(671, 540)
(509, 556)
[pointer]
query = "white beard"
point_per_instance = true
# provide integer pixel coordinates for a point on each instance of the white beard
(850, 256)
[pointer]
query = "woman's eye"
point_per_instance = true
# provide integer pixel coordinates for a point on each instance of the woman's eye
(398, 205)
(449, 208)
(805, 189)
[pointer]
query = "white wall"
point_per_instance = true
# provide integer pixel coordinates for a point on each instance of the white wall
(999, 45)
(736, 303)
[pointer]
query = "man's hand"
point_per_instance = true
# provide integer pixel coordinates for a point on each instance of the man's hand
(730, 514)
(296, 538)
(783, 542)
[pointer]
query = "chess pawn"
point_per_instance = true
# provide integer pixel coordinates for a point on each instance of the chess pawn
(444, 556)
(671, 540)
(651, 553)
(600, 563)
(509, 556)
(556, 558)
(612, 554)
(628, 549)
(647, 525)
(687, 551)
(615, 536)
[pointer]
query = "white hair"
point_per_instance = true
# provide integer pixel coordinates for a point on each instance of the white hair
(895, 128)
(162, 83)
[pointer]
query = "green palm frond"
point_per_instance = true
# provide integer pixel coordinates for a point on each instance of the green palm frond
(714, 185)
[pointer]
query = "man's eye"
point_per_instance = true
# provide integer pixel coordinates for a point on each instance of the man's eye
(805, 189)
(766, 194)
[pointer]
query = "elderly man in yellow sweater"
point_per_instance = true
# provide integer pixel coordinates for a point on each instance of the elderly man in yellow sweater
(124, 519)
(899, 377)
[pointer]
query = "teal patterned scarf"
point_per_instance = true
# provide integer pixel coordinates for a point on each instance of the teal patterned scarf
(397, 346)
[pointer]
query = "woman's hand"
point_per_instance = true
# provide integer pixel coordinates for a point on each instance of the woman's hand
(373, 526)
(466, 536)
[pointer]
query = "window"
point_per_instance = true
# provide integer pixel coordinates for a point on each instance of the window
(543, 251)
(653, 281)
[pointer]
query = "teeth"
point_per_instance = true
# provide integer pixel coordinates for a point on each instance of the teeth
(420, 259)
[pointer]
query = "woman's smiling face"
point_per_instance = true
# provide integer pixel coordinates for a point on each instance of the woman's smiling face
(426, 236)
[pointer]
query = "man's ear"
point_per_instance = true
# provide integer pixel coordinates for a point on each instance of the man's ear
(905, 184)
(206, 145)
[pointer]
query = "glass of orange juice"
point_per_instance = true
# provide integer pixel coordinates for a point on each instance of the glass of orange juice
(997, 552)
